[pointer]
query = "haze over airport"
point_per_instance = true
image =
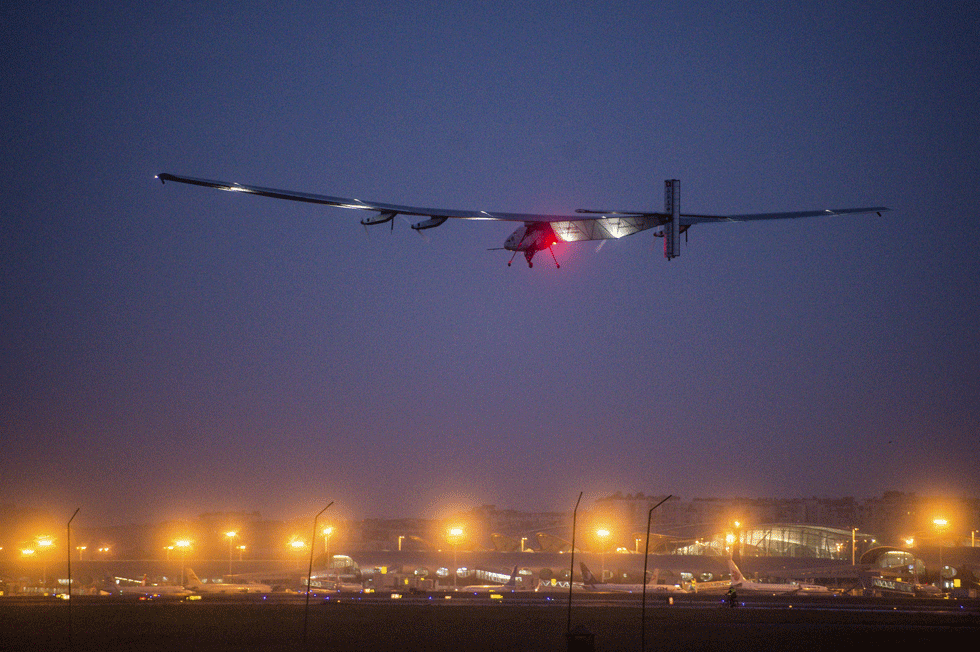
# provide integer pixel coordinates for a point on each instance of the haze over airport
(168, 350)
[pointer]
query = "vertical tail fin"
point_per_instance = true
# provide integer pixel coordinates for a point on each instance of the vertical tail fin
(587, 577)
(193, 580)
(654, 577)
(672, 230)
(512, 582)
(736, 573)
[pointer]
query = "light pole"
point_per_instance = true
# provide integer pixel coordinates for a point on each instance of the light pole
(298, 545)
(182, 545)
(454, 536)
(241, 550)
(940, 524)
(43, 544)
(523, 540)
(603, 534)
(309, 570)
(231, 538)
(401, 537)
(646, 556)
(737, 543)
(81, 550)
(853, 545)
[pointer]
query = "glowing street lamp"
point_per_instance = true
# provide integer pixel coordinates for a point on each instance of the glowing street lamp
(455, 534)
(603, 534)
(401, 537)
(81, 550)
(298, 545)
(737, 538)
(44, 544)
(231, 538)
(241, 549)
(940, 524)
(853, 546)
(182, 545)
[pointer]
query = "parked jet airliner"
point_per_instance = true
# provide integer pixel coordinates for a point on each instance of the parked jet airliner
(742, 584)
(539, 232)
(590, 582)
(511, 585)
(195, 584)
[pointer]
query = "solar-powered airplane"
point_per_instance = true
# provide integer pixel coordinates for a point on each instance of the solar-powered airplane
(539, 232)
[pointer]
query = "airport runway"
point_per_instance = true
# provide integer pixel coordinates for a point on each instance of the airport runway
(512, 622)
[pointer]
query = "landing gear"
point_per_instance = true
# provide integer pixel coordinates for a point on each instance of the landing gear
(529, 257)
(551, 251)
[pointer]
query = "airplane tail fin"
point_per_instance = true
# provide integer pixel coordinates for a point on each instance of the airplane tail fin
(672, 229)
(587, 577)
(654, 577)
(193, 580)
(512, 582)
(736, 573)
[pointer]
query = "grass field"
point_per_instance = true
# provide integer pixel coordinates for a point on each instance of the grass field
(204, 625)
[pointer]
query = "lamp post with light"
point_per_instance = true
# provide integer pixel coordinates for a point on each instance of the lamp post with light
(231, 539)
(44, 544)
(454, 536)
(603, 535)
(737, 541)
(940, 524)
(853, 546)
(29, 553)
(297, 545)
(182, 545)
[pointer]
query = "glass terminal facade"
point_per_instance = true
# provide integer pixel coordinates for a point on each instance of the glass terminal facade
(779, 540)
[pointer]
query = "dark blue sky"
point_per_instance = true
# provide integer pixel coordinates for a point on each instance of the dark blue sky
(170, 350)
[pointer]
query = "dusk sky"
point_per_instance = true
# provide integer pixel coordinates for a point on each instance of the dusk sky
(172, 350)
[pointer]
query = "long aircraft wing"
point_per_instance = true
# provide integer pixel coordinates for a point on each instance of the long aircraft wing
(358, 204)
(585, 224)
(581, 215)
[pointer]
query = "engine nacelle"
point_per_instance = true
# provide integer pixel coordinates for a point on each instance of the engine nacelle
(380, 218)
(430, 223)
